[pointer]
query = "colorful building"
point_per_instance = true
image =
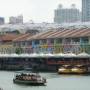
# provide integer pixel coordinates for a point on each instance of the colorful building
(65, 40)
(54, 41)
(47, 42)
(21, 43)
(6, 45)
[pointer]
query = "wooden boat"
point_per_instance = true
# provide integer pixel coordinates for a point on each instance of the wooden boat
(29, 79)
(79, 69)
(65, 69)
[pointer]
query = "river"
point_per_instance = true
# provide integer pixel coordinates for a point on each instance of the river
(54, 82)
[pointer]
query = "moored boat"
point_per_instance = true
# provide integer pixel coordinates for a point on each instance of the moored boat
(76, 69)
(79, 69)
(65, 69)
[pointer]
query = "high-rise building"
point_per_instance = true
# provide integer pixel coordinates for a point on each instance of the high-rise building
(2, 21)
(16, 20)
(67, 15)
(85, 10)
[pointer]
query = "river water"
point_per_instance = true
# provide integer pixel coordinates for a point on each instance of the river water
(54, 82)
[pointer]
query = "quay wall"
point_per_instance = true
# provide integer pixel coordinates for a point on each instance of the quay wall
(41, 63)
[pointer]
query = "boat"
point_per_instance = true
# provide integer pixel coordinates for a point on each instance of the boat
(29, 79)
(65, 69)
(79, 69)
(76, 69)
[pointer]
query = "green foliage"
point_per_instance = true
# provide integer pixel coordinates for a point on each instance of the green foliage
(86, 48)
(18, 50)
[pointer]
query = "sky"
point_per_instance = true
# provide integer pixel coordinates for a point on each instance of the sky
(36, 10)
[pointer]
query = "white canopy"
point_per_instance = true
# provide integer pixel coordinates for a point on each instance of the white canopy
(59, 55)
(69, 54)
(49, 55)
(83, 54)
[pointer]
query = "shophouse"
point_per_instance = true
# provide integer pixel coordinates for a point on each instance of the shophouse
(61, 41)
(6, 45)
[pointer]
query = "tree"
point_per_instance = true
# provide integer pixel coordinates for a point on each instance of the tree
(18, 50)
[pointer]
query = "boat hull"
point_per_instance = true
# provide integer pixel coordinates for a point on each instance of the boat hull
(66, 71)
(26, 82)
(79, 71)
(72, 71)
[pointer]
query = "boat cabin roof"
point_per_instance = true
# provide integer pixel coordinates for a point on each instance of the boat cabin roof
(26, 72)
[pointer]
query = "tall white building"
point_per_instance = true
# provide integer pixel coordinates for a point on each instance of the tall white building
(85, 10)
(16, 20)
(2, 20)
(67, 15)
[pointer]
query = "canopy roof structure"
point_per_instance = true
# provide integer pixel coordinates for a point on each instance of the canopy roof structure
(35, 55)
(83, 54)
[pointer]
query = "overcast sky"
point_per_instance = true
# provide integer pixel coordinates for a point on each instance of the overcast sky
(36, 10)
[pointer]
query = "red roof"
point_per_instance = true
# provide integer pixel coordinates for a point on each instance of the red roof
(22, 37)
(8, 37)
(68, 33)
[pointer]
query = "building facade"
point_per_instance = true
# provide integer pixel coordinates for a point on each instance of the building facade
(6, 45)
(58, 41)
(85, 10)
(16, 20)
(2, 21)
(66, 15)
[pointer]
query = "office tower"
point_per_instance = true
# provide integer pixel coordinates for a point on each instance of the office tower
(2, 21)
(85, 10)
(67, 15)
(16, 20)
